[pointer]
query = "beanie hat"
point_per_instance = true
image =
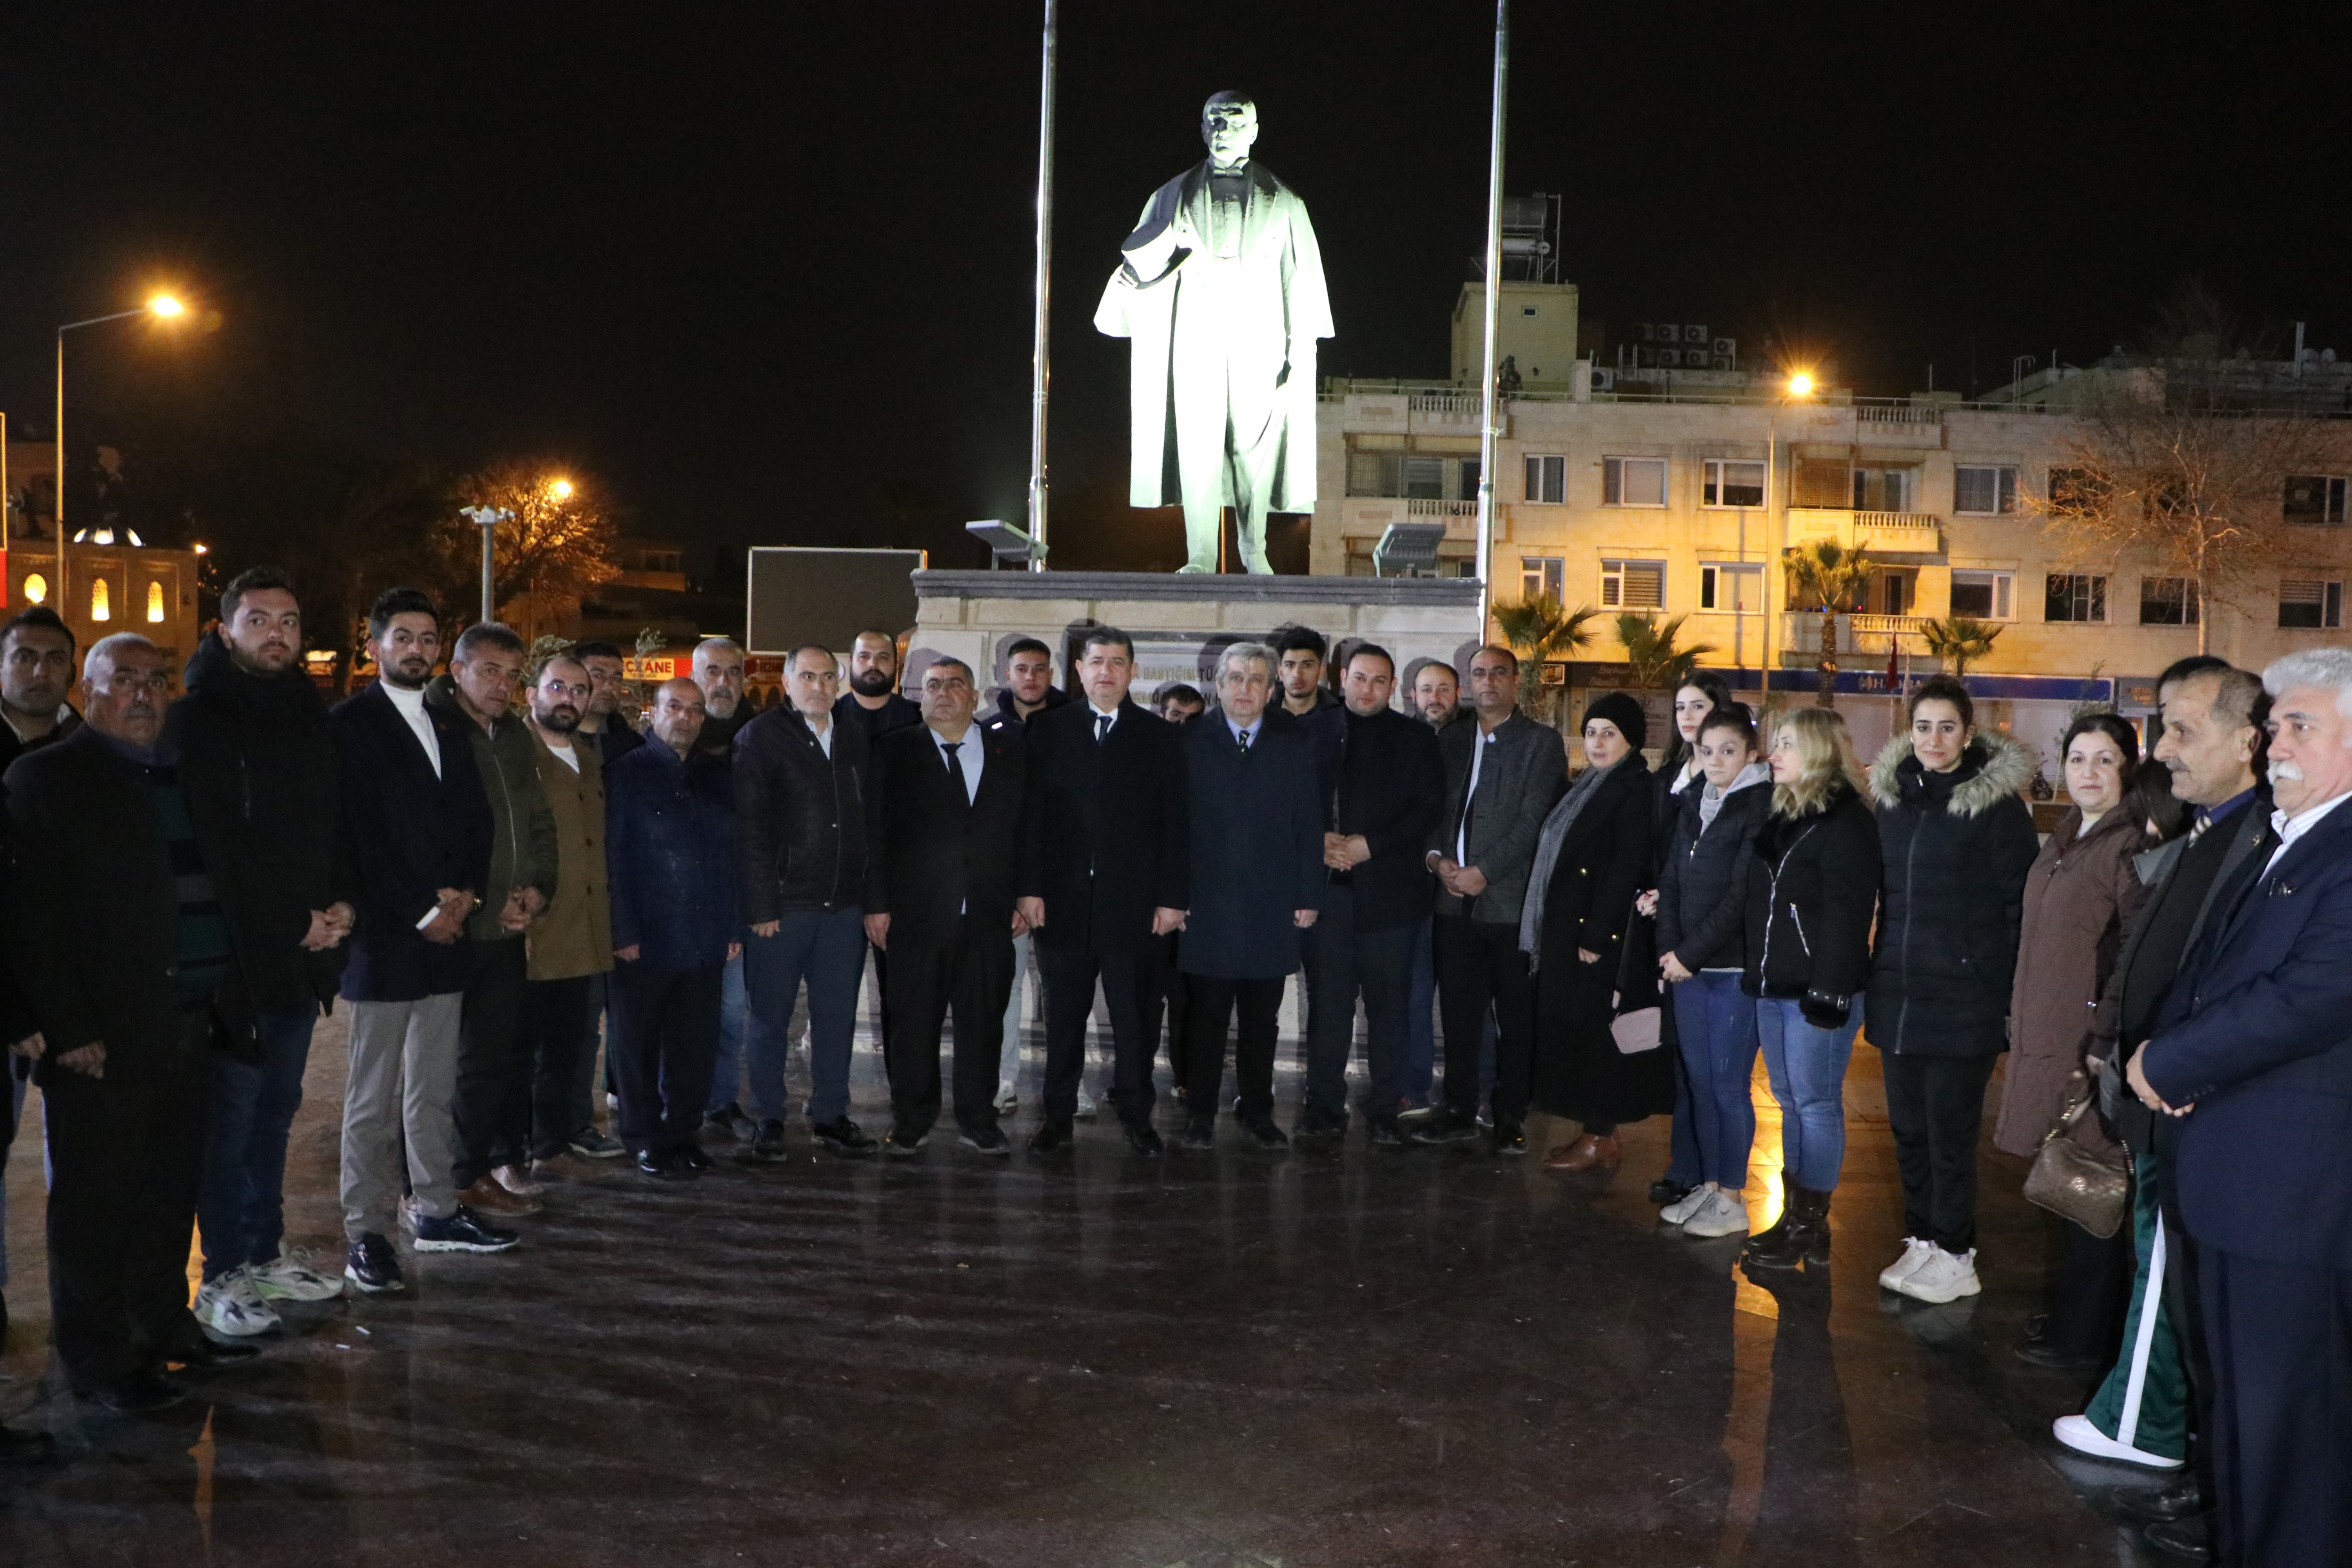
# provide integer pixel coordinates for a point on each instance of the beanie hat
(1623, 712)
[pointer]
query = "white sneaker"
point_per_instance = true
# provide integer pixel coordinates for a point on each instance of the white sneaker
(1915, 1253)
(2077, 1433)
(1942, 1276)
(289, 1276)
(518, 1180)
(1683, 1207)
(1086, 1106)
(1722, 1213)
(227, 1304)
(1008, 1096)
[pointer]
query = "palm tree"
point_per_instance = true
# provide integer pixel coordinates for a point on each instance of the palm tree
(1825, 575)
(1657, 664)
(1539, 627)
(1960, 641)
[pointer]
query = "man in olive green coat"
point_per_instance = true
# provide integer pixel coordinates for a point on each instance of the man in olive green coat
(571, 944)
(490, 1105)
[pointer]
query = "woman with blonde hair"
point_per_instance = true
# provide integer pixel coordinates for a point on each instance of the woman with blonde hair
(1812, 889)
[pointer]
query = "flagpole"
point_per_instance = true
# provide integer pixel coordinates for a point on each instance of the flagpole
(1487, 430)
(1039, 368)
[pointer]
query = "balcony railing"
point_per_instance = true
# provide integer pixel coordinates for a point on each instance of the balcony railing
(1860, 636)
(1887, 533)
(1441, 509)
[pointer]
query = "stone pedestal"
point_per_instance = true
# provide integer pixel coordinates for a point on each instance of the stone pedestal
(1180, 623)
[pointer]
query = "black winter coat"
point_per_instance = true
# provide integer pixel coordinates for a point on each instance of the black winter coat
(1105, 826)
(1256, 831)
(800, 815)
(1812, 886)
(1957, 848)
(670, 857)
(1387, 784)
(258, 772)
(1703, 882)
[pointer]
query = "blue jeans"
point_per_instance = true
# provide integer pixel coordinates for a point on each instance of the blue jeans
(1716, 1024)
(735, 1023)
(1420, 1023)
(241, 1205)
(1807, 1066)
(828, 949)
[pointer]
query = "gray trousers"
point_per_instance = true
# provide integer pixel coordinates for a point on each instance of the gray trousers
(404, 1074)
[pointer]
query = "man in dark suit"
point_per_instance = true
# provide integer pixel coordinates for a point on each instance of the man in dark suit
(2252, 1051)
(1503, 773)
(2160, 1393)
(1387, 786)
(1107, 859)
(121, 947)
(1254, 821)
(943, 826)
(417, 826)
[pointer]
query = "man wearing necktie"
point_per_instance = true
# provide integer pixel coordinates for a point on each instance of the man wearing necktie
(943, 824)
(2254, 1057)
(1107, 873)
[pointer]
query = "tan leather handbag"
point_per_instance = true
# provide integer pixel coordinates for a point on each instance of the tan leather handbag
(2091, 1188)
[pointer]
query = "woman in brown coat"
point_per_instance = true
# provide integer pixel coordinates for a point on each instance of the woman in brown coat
(2080, 896)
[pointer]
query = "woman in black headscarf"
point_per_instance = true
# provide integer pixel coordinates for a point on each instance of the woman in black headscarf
(1592, 860)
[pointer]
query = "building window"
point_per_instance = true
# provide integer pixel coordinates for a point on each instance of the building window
(1886, 490)
(2167, 602)
(1819, 481)
(1633, 585)
(1895, 591)
(1632, 481)
(2073, 491)
(1541, 576)
(1730, 587)
(2074, 597)
(1733, 483)
(2311, 602)
(1467, 488)
(1986, 595)
(1986, 492)
(2314, 498)
(1547, 480)
(100, 607)
(154, 601)
(37, 588)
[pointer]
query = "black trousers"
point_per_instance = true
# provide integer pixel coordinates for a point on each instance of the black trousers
(1935, 1106)
(126, 1154)
(558, 1036)
(1480, 966)
(967, 969)
(2090, 1292)
(1210, 1002)
(665, 1049)
(1165, 999)
(2280, 1339)
(493, 1063)
(1126, 978)
(1345, 961)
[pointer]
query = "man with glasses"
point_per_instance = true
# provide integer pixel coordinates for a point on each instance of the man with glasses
(800, 807)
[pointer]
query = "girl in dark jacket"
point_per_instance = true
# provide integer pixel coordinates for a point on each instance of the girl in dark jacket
(1591, 858)
(1956, 841)
(1700, 908)
(1677, 775)
(1811, 887)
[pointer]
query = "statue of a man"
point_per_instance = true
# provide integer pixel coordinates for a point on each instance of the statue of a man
(1222, 295)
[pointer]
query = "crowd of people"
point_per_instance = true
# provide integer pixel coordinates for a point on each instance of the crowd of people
(499, 866)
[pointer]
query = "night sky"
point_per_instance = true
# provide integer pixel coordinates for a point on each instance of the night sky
(762, 273)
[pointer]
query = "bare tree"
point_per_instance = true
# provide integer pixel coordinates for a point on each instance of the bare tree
(2180, 460)
(554, 544)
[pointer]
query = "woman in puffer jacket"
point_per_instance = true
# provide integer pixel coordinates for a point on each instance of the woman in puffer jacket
(1957, 841)
(1812, 884)
(1700, 910)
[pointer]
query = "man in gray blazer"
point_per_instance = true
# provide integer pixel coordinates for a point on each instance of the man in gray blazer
(1503, 774)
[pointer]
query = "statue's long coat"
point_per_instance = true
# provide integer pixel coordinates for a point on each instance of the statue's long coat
(1194, 322)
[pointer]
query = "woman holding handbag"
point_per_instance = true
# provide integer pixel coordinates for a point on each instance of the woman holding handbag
(1810, 889)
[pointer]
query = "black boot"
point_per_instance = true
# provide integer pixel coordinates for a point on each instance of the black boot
(1801, 1236)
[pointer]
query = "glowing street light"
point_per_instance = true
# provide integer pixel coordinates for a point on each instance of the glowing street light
(1798, 386)
(560, 488)
(161, 307)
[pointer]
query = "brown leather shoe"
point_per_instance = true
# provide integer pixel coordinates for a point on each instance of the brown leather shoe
(517, 1180)
(486, 1196)
(1589, 1152)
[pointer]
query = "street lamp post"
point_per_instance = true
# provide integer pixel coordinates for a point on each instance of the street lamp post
(487, 519)
(1798, 386)
(164, 307)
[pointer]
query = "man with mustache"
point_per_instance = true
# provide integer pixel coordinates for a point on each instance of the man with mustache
(418, 827)
(124, 947)
(259, 774)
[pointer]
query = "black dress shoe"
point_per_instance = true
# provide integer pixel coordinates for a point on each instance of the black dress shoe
(1445, 1127)
(658, 1163)
(1265, 1134)
(1382, 1132)
(691, 1156)
(135, 1395)
(844, 1136)
(1142, 1140)
(2181, 1500)
(1052, 1138)
(902, 1144)
(2190, 1539)
(1315, 1122)
(18, 1447)
(200, 1348)
(1667, 1189)
(1510, 1138)
(989, 1140)
(1200, 1133)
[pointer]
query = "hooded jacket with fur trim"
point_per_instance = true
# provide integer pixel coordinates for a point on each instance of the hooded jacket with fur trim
(1956, 850)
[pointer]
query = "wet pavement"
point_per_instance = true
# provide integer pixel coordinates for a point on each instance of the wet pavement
(1347, 1357)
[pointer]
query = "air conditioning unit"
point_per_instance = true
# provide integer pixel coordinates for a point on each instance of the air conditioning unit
(1669, 333)
(1696, 335)
(1670, 359)
(1724, 362)
(1604, 378)
(1728, 347)
(1645, 332)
